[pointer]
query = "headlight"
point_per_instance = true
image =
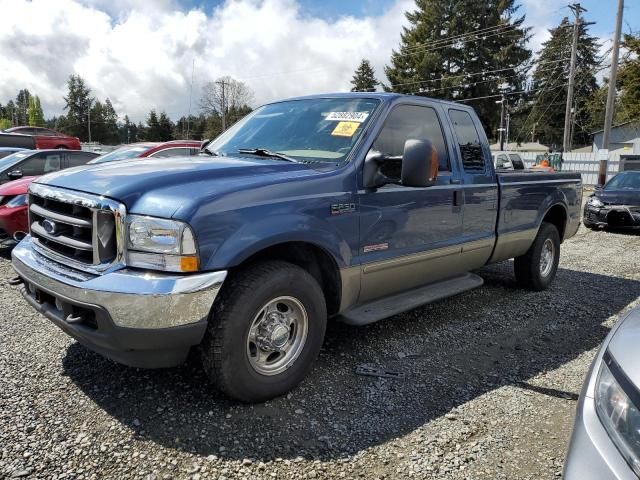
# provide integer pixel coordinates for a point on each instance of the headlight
(595, 202)
(161, 244)
(617, 412)
(17, 201)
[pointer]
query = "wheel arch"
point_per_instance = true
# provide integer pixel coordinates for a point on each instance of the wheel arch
(314, 259)
(557, 216)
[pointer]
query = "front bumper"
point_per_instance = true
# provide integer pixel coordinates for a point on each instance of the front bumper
(612, 215)
(139, 318)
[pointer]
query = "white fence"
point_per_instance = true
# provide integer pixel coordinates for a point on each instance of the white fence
(586, 163)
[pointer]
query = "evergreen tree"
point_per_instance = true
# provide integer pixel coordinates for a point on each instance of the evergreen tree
(10, 113)
(462, 50)
(152, 133)
(364, 78)
(97, 122)
(629, 78)
(22, 107)
(77, 103)
(550, 84)
(141, 132)
(165, 127)
(110, 117)
(61, 124)
(127, 131)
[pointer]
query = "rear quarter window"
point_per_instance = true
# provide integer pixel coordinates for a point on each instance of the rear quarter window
(473, 159)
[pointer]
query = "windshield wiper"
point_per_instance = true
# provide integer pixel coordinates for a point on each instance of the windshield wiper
(263, 152)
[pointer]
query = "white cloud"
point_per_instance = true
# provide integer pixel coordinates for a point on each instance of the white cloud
(141, 57)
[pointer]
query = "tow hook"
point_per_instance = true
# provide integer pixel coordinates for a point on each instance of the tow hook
(18, 236)
(74, 318)
(15, 281)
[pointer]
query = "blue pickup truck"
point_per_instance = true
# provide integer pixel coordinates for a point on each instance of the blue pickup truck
(352, 207)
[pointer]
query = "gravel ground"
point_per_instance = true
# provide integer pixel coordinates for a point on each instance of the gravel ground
(487, 390)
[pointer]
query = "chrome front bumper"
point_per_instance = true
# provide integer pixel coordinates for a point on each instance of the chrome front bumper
(132, 298)
(139, 318)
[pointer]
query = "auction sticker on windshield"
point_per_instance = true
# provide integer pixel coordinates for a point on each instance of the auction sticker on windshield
(347, 116)
(345, 129)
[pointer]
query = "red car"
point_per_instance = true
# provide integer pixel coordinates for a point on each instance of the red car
(47, 138)
(174, 148)
(13, 209)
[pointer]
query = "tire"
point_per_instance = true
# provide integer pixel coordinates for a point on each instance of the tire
(234, 351)
(531, 270)
(61, 147)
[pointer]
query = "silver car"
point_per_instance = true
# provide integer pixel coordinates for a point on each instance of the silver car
(606, 436)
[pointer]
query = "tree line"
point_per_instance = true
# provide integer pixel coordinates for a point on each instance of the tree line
(464, 50)
(223, 103)
(476, 52)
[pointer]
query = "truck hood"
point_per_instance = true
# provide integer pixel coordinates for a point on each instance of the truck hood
(162, 186)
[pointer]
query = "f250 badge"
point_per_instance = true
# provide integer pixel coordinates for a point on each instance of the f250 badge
(342, 208)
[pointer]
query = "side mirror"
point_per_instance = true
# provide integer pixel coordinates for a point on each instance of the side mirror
(419, 164)
(15, 175)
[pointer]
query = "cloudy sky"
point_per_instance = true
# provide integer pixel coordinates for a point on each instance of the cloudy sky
(140, 53)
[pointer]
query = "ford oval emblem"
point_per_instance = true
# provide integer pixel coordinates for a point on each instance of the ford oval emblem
(49, 226)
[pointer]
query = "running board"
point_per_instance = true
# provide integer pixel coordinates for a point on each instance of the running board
(401, 302)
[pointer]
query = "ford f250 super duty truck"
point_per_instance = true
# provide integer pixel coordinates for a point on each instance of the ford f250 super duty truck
(346, 206)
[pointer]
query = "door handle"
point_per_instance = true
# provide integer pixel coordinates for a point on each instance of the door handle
(454, 181)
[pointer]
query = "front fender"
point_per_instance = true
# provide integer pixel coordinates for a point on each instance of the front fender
(251, 238)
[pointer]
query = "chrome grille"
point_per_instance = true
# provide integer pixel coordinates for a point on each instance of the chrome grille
(83, 230)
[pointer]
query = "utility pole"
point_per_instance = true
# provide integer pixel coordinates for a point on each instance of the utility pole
(89, 120)
(502, 129)
(611, 97)
(507, 132)
(577, 10)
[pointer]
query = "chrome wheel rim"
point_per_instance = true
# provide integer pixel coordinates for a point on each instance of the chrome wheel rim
(277, 335)
(546, 257)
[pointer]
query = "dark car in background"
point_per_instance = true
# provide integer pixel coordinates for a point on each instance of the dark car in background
(44, 138)
(617, 204)
(33, 163)
(174, 148)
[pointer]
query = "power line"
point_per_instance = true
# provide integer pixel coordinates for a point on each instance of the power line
(472, 32)
(484, 72)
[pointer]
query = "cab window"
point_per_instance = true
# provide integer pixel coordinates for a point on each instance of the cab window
(40, 164)
(409, 122)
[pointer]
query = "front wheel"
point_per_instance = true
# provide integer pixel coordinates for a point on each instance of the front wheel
(265, 331)
(537, 268)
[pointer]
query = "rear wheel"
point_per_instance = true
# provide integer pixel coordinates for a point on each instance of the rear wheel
(537, 268)
(265, 331)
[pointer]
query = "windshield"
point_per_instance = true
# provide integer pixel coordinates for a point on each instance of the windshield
(624, 181)
(123, 153)
(319, 129)
(12, 159)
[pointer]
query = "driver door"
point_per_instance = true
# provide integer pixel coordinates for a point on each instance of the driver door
(410, 236)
